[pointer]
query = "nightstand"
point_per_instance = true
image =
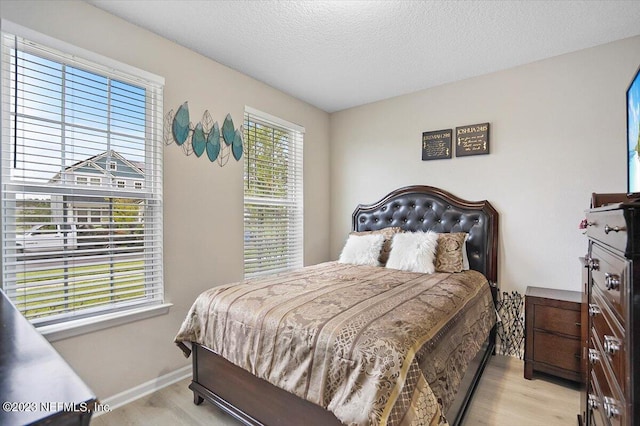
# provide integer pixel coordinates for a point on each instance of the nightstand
(552, 333)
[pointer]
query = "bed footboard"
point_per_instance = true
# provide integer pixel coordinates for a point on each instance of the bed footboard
(256, 402)
(249, 399)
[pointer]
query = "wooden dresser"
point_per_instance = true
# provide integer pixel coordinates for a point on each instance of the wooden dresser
(37, 386)
(612, 291)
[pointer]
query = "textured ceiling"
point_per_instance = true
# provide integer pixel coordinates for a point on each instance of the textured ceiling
(340, 54)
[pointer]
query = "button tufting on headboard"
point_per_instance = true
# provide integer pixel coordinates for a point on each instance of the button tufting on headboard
(423, 208)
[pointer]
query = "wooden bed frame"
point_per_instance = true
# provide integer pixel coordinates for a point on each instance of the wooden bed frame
(254, 401)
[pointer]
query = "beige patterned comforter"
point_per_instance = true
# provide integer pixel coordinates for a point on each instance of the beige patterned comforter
(375, 346)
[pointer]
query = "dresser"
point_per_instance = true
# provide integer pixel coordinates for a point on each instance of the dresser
(612, 292)
(37, 386)
(552, 333)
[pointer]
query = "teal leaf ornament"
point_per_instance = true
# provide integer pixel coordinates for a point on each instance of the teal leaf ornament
(213, 143)
(228, 132)
(236, 146)
(180, 127)
(198, 140)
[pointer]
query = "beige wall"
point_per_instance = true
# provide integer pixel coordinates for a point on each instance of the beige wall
(202, 203)
(557, 134)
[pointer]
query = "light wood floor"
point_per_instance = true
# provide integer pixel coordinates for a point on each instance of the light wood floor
(504, 398)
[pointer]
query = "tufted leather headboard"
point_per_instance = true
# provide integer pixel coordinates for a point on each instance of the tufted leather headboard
(420, 207)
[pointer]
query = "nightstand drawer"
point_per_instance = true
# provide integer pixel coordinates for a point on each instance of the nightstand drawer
(561, 352)
(557, 320)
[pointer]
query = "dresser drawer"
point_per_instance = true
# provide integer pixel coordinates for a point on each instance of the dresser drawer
(609, 274)
(594, 398)
(557, 320)
(558, 351)
(609, 227)
(611, 403)
(608, 334)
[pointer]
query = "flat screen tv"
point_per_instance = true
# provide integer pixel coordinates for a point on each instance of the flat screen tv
(633, 136)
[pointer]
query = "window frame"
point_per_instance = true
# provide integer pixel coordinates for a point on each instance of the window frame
(103, 318)
(292, 202)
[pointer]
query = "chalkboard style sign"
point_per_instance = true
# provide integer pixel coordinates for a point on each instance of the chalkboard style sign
(472, 140)
(436, 145)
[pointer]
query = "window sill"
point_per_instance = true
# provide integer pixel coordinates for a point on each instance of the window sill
(87, 325)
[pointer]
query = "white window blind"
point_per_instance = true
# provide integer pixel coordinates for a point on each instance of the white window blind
(75, 242)
(273, 202)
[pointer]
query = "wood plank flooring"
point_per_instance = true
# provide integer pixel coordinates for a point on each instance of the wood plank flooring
(504, 398)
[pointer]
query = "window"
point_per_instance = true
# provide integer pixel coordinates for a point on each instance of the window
(121, 184)
(113, 166)
(138, 185)
(273, 203)
(62, 116)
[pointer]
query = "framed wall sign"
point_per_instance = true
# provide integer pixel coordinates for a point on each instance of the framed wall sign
(472, 139)
(436, 145)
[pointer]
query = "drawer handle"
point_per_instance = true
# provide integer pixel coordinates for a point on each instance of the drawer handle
(611, 407)
(612, 344)
(594, 356)
(594, 309)
(594, 264)
(612, 281)
(593, 402)
(608, 229)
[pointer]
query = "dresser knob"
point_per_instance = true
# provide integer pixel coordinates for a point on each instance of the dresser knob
(612, 344)
(611, 407)
(593, 402)
(594, 309)
(594, 264)
(608, 229)
(612, 281)
(594, 356)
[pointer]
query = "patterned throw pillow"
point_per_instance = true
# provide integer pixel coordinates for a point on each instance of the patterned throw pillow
(386, 246)
(449, 255)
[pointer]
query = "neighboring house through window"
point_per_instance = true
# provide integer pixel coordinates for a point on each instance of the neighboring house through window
(72, 123)
(273, 201)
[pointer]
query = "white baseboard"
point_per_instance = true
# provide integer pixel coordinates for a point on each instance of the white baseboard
(144, 389)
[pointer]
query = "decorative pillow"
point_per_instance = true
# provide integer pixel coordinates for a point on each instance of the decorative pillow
(362, 249)
(386, 246)
(413, 251)
(465, 256)
(449, 255)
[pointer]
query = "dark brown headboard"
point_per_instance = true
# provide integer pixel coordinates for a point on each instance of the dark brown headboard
(420, 207)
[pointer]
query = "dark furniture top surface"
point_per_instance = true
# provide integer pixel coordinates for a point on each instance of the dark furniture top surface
(31, 371)
(551, 293)
(423, 208)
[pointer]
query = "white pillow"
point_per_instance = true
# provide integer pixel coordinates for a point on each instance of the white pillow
(414, 252)
(465, 256)
(362, 249)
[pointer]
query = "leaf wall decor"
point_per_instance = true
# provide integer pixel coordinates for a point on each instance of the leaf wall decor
(198, 140)
(206, 135)
(228, 132)
(213, 143)
(236, 145)
(180, 128)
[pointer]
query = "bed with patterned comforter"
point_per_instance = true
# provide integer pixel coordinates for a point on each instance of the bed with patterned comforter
(373, 345)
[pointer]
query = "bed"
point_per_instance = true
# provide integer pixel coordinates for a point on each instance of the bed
(316, 375)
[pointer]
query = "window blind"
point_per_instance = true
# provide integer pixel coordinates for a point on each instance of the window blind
(273, 197)
(80, 184)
